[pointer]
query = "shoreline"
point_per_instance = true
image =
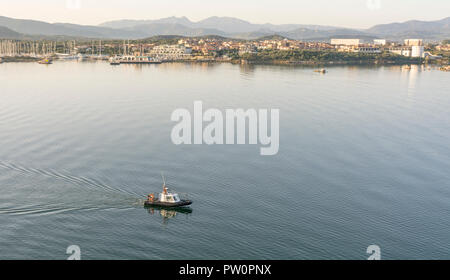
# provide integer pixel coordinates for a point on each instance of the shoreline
(273, 62)
(330, 63)
(7, 59)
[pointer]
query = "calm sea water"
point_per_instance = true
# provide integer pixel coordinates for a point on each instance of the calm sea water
(364, 159)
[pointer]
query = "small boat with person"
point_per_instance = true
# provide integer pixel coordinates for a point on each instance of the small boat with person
(322, 71)
(45, 61)
(166, 199)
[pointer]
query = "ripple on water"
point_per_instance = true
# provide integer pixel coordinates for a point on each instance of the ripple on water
(363, 160)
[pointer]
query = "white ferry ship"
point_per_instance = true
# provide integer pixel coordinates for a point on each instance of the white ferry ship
(131, 59)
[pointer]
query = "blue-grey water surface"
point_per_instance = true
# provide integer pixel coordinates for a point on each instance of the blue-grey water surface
(364, 159)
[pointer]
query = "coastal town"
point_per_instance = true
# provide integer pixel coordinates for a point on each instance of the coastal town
(272, 50)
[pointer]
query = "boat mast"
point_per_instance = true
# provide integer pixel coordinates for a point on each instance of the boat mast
(164, 184)
(164, 180)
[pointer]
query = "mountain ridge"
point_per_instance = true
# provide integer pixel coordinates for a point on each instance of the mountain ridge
(223, 26)
(7, 33)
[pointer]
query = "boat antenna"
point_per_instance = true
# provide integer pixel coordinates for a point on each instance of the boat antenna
(164, 179)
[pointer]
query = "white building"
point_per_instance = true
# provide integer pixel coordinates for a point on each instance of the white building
(413, 42)
(413, 51)
(247, 48)
(401, 51)
(381, 42)
(345, 42)
(417, 51)
(171, 52)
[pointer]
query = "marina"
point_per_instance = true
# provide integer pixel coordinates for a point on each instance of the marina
(274, 52)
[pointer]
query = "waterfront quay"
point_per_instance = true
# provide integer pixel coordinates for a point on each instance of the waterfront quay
(273, 49)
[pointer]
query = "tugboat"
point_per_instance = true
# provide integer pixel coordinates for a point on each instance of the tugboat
(166, 199)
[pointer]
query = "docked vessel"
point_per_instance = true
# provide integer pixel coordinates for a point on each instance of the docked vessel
(131, 59)
(114, 61)
(64, 56)
(81, 57)
(166, 199)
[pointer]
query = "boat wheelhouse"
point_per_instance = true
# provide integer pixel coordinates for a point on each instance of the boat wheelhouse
(166, 199)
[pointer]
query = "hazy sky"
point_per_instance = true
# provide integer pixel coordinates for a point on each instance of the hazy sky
(346, 13)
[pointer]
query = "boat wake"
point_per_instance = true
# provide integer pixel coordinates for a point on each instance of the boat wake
(89, 195)
(42, 210)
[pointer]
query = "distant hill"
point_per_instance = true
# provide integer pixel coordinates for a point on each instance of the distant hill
(127, 23)
(308, 34)
(254, 35)
(134, 29)
(237, 28)
(7, 33)
(33, 27)
(272, 37)
(434, 30)
(227, 25)
(153, 29)
(219, 26)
